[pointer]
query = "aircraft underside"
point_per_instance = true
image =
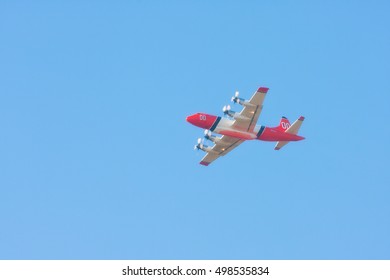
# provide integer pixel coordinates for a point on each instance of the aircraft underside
(239, 127)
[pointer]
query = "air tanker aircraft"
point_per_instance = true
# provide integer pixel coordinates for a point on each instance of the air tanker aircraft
(239, 127)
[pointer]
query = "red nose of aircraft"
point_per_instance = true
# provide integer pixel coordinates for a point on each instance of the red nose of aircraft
(192, 119)
(202, 120)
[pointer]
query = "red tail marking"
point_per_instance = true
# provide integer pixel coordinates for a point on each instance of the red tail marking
(284, 124)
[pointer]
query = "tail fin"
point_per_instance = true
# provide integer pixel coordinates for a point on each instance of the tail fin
(293, 129)
(284, 124)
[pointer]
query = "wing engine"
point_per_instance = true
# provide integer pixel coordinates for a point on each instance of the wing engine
(226, 110)
(241, 101)
(203, 147)
(211, 137)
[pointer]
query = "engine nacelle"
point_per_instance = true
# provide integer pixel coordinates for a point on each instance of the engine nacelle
(211, 137)
(244, 102)
(203, 147)
(226, 110)
(241, 101)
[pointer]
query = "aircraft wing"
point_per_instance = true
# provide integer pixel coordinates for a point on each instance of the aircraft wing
(251, 111)
(221, 148)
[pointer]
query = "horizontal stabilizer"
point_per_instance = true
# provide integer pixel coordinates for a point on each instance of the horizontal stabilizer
(294, 128)
(280, 144)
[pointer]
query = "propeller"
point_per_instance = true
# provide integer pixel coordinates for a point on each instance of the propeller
(235, 97)
(200, 144)
(207, 132)
(226, 109)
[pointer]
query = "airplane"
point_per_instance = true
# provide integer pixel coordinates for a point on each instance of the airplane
(239, 127)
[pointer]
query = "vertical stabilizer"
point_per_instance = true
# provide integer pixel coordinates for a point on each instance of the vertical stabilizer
(284, 124)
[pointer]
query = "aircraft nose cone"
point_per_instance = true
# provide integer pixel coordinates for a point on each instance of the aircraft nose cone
(190, 119)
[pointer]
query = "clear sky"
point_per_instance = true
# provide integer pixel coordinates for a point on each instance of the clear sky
(97, 161)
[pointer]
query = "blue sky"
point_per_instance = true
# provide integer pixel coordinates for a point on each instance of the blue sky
(97, 161)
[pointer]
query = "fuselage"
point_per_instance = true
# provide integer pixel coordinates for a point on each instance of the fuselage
(226, 127)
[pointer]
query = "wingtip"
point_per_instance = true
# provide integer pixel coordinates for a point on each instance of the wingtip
(276, 148)
(205, 163)
(263, 89)
(301, 118)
